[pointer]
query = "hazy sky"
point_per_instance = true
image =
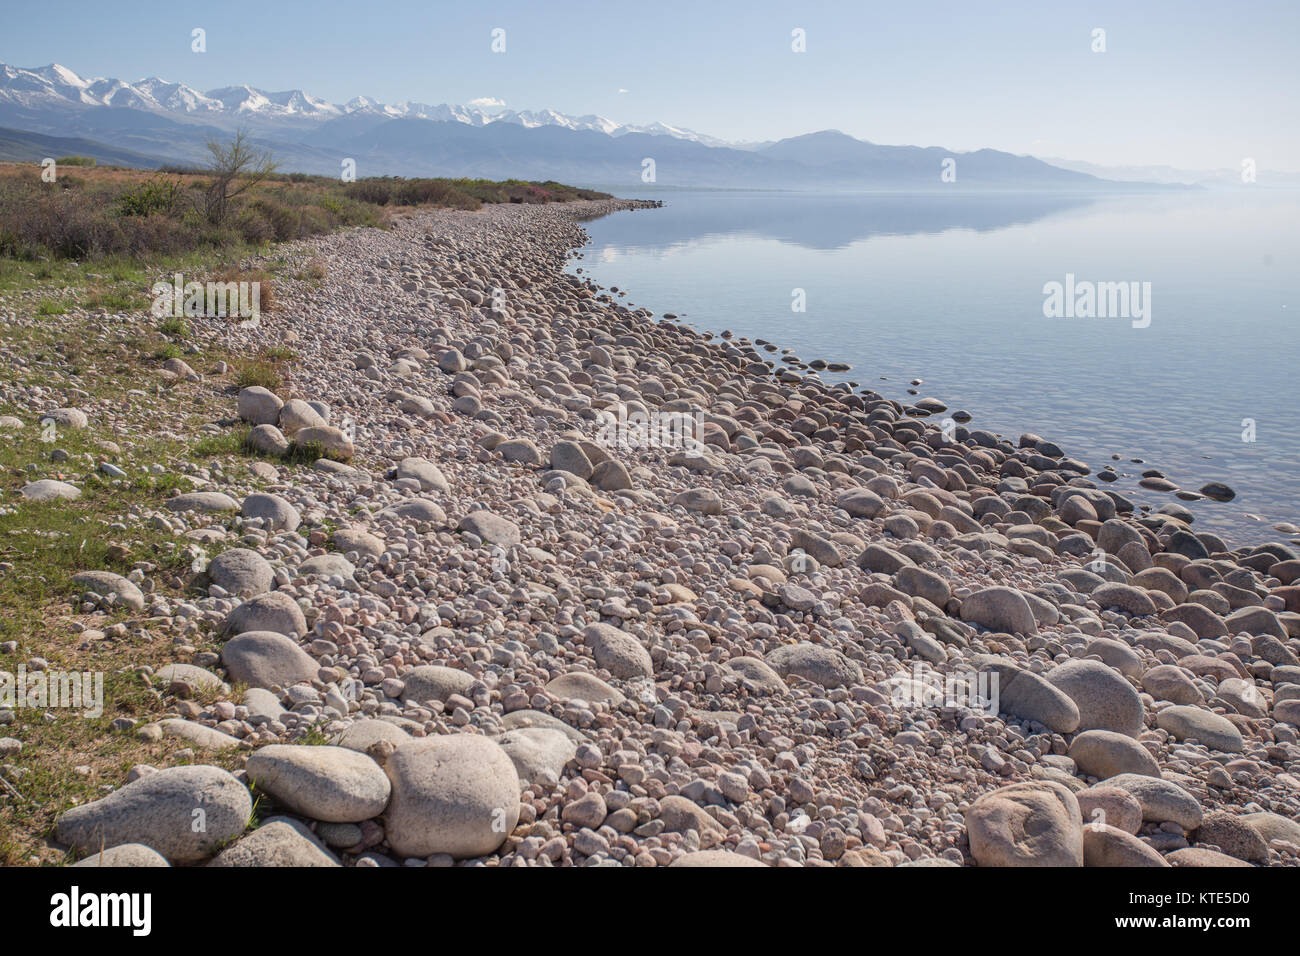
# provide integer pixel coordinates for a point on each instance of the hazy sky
(1191, 84)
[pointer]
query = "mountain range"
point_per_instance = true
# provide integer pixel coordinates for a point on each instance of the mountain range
(162, 122)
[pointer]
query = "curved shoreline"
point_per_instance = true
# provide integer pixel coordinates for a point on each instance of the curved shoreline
(820, 636)
(962, 418)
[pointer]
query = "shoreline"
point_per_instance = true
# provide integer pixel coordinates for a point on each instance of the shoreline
(724, 655)
(1200, 496)
(810, 371)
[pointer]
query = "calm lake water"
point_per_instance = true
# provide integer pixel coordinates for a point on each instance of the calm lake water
(950, 290)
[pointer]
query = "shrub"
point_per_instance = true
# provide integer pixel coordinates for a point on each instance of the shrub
(168, 213)
(259, 372)
(254, 227)
(174, 326)
(154, 195)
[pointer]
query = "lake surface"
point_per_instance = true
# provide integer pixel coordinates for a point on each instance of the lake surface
(950, 290)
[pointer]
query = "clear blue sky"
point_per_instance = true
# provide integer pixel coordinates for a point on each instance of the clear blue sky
(1193, 84)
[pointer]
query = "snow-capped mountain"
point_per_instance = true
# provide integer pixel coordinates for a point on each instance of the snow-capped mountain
(165, 123)
(56, 85)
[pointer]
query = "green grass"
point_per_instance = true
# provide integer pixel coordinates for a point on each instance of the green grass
(71, 758)
(174, 327)
(43, 544)
(115, 300)
(259, 372)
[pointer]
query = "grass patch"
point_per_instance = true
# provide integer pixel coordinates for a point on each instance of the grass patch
(174, 327)
(259, 372)
(69, 757)
(115, 300)
(314, 272)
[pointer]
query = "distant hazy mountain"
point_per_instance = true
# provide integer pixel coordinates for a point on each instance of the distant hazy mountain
(1211, 178)
(157, 118)
(19, 146)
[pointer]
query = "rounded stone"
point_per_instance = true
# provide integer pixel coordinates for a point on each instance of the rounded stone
(582, 685)
(434, 682)
(104, 583)
(328, 566)
(48, 489)
(1106, 701)
(492, 528)
(333, 784)
(259, 406)
(536, 751)
(569, 456)
(618, 651)
(364, 734)
(273, 611)
(274, 510)
(456, 794)
(715, 858)
(1185, 722)
(425, 472)
(999, 609)
(297, 414)
(757, 672)
(1170, 682)
(242, 572)
(158, 810)
(331, 441)
(1110, 806)
(359, 540)
(125, 855)
(276, 843)
(1161, 800)
(1111, 847)
(268, 440)
(205, 502)
(815, 663)
(267, 659)
(1105, 753)
(1026, 824)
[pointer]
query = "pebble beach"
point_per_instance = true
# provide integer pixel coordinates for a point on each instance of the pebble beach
(491, 629)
